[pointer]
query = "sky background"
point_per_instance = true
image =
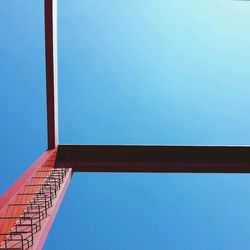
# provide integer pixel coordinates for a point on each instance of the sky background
(133, 72)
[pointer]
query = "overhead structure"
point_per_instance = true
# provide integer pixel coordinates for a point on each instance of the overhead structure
(50, 23)
(29, 206)
(155, 159)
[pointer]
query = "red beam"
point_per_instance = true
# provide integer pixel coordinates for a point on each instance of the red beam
(186, 159)
(40, 237)
(31, 204)
(50, 16)
(12, 195)
(16, 188)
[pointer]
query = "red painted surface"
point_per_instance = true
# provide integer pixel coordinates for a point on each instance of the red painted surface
(40, 238)
(9, 195)
(17, 199)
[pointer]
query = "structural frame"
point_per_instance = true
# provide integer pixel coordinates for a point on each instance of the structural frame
(67, 159)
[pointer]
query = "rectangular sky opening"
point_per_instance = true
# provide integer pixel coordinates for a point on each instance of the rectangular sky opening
(154, 72)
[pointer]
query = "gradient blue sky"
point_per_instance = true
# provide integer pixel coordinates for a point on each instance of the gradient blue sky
(133, 72)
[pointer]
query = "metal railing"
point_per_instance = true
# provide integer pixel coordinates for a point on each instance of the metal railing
(23, 218)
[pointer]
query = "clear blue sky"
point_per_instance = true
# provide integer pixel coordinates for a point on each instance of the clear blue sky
(133, 72)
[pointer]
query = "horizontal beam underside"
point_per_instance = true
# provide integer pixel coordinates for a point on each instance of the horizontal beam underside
(129, 158)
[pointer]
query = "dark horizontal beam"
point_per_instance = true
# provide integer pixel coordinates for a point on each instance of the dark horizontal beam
(185, 159)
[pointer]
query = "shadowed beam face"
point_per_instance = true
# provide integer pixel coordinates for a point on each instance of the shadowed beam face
(50, 12)
(183, 159)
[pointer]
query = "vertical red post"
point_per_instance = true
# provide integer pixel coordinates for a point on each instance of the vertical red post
(50, 18)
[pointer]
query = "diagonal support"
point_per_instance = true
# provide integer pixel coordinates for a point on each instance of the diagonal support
(29, 207)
